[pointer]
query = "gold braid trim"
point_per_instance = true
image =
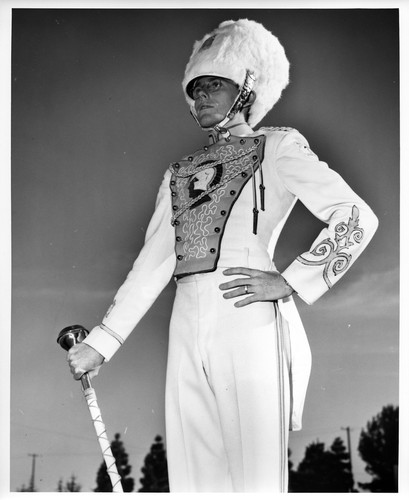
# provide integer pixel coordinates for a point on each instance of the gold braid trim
(225, 181)
(186, 172)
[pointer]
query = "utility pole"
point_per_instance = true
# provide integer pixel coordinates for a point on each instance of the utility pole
(348, 431)
(32, 480)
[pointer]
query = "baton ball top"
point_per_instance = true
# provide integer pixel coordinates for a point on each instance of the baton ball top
(71, 335)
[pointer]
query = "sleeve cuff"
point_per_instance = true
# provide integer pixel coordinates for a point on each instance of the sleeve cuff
(103, 342)
(294, 278)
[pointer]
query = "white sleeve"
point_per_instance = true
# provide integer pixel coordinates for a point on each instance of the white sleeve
(351, 223)
(149, 275)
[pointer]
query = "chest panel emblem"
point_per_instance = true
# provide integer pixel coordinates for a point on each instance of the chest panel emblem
(204, 188)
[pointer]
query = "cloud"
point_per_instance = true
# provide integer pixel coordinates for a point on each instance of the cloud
(57, 294)
(376, 292)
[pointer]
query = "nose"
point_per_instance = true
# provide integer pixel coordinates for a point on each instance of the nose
(200, 93)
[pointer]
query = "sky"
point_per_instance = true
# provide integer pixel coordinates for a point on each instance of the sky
(97, 115)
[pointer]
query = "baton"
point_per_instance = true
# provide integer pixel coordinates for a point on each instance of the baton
(68, 337)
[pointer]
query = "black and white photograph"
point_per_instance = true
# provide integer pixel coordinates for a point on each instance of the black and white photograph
(202, 248)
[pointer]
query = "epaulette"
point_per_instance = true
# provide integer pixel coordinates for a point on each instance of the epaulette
(277, 129)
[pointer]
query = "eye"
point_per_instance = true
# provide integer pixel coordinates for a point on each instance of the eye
(214, 85)
(196, 93)
(207, 87)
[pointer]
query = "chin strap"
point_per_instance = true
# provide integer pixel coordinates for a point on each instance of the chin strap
(237, 106)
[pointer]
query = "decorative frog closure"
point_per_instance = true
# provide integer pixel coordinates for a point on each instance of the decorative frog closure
(204, 188)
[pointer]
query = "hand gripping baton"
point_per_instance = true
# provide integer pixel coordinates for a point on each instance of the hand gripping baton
(68, 337)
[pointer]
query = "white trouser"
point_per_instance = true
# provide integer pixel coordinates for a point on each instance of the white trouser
(227, 392)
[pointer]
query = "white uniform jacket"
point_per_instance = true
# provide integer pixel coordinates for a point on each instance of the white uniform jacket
(291, 171)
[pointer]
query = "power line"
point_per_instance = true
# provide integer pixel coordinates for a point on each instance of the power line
(62, 453)
(50, 431)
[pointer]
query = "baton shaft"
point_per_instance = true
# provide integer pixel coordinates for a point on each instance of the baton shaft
(86, 382)
(103, 441)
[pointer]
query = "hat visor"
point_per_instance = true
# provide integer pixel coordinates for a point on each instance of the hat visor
(191, 85)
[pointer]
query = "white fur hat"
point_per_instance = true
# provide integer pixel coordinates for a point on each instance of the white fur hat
(232, 49)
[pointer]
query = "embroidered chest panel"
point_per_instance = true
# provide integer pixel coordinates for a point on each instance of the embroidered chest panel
(204, 188)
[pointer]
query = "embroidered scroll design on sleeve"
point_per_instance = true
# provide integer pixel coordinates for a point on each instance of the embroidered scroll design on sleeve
(333, 253)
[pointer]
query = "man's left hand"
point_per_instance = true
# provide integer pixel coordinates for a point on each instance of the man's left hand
(256, 286)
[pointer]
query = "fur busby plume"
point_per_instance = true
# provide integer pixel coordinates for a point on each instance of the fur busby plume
(232, 49)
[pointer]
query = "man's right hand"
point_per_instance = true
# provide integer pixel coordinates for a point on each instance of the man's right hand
(83, 358)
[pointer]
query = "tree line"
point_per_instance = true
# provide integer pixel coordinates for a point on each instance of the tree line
(321, 469)
(330, 470)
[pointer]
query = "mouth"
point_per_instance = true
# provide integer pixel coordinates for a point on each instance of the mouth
(204, 106)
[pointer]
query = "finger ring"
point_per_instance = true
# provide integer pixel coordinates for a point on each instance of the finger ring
(246, 289)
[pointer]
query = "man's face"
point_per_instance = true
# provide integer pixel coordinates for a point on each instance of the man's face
(213, 96)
